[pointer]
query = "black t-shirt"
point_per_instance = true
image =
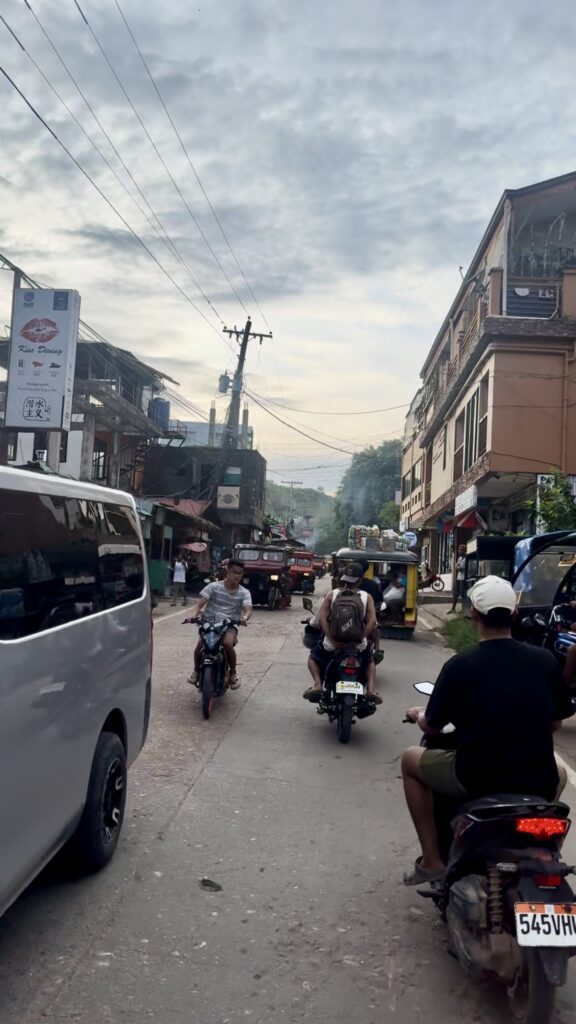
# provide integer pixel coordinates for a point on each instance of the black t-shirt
(502, 696)
(373, 588)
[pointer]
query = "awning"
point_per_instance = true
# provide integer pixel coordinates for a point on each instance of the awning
(196, 546)
(467, 521)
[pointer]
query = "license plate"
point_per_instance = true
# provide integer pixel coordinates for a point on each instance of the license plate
(545, 924)
(347, 686)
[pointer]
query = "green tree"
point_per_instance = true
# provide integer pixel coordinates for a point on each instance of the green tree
(389, 516)
(554, 506)
(369, 483)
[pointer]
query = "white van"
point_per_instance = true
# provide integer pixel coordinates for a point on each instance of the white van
(75, 670)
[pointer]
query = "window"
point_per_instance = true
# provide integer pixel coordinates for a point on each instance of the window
(445, 446)
(64, 446)
(99, 459)
(406, 485)
(417, 475)
(62, 559)
(459, 446)
(471, 443)
(483, 415)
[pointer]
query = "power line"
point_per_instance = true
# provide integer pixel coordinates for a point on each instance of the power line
(108, 201)
(192, 167)
(290, 427)
(326, 412)
(161, 231)
(157, 151)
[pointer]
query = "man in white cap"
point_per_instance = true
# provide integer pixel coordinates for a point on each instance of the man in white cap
(505, 699)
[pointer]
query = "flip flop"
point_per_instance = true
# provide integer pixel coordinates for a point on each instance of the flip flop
(420, 875)
(374, 698)
(235, 683)
(312, 695)
(378, 657)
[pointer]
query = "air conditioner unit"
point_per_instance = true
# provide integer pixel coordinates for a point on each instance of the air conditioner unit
(498, 518)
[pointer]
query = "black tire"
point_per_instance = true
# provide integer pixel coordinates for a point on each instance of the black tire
(207, 689)
(272, 599)
(532, 996)
(95, 840)
(438, 585)
(344, 722)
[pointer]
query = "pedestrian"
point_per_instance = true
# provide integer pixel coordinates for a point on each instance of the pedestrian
(459, 590)
(179, 581)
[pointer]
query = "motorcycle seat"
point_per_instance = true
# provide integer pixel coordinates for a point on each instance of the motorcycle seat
(509, 803)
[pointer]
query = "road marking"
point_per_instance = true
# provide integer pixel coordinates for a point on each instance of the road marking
(172, 615)
(569, 771)
(428, 624)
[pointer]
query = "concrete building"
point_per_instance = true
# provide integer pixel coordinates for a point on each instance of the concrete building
(497, 406)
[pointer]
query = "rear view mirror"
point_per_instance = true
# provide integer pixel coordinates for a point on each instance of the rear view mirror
(307, 604)
(425, 687)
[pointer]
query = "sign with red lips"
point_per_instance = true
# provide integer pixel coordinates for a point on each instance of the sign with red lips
(40, 330)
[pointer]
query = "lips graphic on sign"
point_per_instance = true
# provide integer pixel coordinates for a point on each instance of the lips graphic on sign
(40, 329)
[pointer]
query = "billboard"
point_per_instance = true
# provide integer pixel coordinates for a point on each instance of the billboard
(42, 359)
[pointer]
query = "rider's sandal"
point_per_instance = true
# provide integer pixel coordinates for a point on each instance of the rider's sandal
(374, 697)
(234, 683)
(419, 875)
(312, 695)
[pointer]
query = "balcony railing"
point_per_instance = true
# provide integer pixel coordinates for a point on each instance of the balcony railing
(449, 373)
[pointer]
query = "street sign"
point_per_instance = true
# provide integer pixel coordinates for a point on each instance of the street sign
(43, 343)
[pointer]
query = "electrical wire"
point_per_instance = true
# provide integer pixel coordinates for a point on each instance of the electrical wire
(152, 217)
(192, 167)
(290, 427)
(326, 412)
(108, 201)
(158, 154)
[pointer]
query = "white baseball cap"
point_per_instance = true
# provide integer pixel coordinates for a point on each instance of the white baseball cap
(492, 592)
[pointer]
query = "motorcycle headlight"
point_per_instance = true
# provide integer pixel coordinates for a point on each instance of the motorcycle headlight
(211, 640)
(273, 579)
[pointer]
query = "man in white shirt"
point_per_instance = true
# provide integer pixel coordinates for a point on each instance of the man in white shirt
(179, 581)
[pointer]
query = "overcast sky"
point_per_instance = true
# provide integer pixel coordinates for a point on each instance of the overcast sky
(354, 153)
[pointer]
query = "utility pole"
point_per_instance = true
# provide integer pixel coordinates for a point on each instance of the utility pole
(230, 438)
(4, 432)
(290, 509)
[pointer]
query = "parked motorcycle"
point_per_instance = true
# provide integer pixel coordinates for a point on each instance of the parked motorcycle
(505, 897)
(433, 581)
(343, 694)
(213, 671)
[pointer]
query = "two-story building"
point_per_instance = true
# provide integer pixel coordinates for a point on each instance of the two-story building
(497, 406)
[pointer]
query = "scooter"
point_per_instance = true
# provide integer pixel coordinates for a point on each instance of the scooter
(505, 897)
(433, 581)
(343, 696)
(553, 631)
(213, 671)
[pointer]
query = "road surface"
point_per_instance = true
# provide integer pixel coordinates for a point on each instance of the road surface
(306, 841)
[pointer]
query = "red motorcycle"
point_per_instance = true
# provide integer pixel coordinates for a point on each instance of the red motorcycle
(432, 580)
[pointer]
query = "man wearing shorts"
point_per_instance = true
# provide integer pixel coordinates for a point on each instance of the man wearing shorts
(225, 599)
(505, 699)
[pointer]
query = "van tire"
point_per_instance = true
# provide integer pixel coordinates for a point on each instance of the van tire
(95, 840)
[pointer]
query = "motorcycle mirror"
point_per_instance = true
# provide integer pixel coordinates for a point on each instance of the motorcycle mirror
(527, 623)
(308, 604)
(539, 619)
(425, 687)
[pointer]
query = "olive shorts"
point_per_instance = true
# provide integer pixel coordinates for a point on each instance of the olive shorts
(438, 770)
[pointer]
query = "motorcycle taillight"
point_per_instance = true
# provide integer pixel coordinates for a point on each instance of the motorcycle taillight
(542, 828)
(548, 881)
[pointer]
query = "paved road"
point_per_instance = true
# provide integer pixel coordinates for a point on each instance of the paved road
(308, 840)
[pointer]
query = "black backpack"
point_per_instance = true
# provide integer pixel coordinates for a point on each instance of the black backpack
(347, 617)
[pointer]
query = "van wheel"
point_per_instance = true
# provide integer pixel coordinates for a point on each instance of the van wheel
(93, 844)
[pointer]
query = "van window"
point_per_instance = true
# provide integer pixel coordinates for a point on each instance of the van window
(62, 559)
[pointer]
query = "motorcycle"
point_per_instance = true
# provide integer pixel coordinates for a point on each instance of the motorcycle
(505, 897)
(213, 671)
(343, 696)
(433, 581)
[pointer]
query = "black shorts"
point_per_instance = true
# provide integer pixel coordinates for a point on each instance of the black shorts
(323, 657)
